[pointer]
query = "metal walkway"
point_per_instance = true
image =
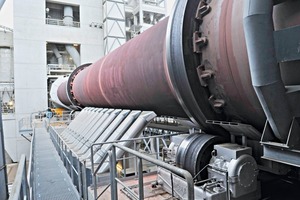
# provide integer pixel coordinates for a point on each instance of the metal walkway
(50, 178)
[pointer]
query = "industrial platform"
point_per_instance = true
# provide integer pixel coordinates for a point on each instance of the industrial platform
(51, 180)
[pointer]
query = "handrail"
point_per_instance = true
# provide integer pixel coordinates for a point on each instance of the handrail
(65, 116)
(62, 146)
(60, 22)
(94, 172)
(181, 172)
(31, 162)
(60, 67)
(20, 186)
(25, 124)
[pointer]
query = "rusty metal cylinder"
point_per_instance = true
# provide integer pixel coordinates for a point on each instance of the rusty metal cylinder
(63, 95)
(194, 64)
(134, 76)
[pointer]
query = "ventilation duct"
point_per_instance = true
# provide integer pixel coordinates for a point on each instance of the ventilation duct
(57, 54)
(68, 16)
(265, 72)
(74, 54)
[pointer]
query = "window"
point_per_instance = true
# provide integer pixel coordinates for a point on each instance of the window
(62, 15)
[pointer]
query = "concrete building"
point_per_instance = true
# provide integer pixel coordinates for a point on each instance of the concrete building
(43, 40)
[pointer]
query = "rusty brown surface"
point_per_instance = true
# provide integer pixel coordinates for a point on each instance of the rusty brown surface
(133, 77)
(62, 94)
(136, 75)
(226, 55)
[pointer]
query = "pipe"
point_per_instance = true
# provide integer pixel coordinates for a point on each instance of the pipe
(57, 54)
(74, 54)
(62, 94)
(68, 16)
(68, 21)
(171, 70)
(264, 69)
(119, 79)
(54, 92)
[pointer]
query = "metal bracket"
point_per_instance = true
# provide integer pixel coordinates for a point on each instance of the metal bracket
(204, 75)
(287, 153)
(237, 129)
(198, 42)
(217, 104)
(202, 10)
(293, 139)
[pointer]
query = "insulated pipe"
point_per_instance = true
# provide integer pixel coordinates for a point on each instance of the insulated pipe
(68, 20)
(265, 72)
(74, 54)
(68, 16)
(57, 54)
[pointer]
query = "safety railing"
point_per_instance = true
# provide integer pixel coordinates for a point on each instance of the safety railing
(59, 22)
(60, 68)
(20, 189)
(159, 3)
(73, 165)
(83, 176)
(113, 173)
(64, 116)
(97, 146)
(23, 184)
(30, 176)
(25, 124)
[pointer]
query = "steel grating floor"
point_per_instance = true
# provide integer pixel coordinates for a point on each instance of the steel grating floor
(51, 180)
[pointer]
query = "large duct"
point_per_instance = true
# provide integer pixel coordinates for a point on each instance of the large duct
(68, 21)
(57, 54)
(265, 71)
(74, 54)
(68, 16)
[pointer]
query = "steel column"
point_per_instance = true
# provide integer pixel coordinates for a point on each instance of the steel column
(3, 173)
(141, 181)
(113, 174)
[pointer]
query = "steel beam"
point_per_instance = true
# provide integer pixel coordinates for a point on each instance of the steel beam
(3, 172)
